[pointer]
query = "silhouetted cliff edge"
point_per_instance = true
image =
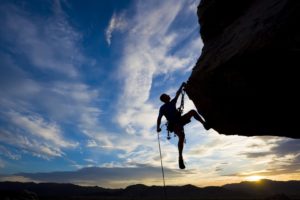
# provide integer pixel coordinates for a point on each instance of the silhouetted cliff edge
(246, 81)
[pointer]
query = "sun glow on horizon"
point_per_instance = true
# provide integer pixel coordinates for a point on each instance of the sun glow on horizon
(254, 178)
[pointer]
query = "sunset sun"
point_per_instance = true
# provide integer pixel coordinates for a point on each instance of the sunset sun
(254, 178)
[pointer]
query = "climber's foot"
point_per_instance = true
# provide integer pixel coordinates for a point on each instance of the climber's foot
(181, 163)
(206, 125)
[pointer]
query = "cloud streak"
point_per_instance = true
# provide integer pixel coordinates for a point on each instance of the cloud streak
(35, 125)
(147, 39)
(30, 145)
(33, 109)
(48, 43)
(7, 153)
(147, 54)
(116, 23)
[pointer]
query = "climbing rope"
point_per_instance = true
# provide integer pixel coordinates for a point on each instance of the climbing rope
(162, 168)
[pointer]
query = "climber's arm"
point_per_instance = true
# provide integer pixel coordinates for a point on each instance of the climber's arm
(158, 129)
(178, 92)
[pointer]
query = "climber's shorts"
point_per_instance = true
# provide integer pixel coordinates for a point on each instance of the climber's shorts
(183, 120)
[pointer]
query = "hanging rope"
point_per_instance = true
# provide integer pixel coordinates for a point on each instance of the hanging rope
(162, 168)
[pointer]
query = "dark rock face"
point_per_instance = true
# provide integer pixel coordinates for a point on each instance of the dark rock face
(246, 80)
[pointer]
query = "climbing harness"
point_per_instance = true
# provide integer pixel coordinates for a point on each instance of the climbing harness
(162, 168)
(180, 110)
(168, 131)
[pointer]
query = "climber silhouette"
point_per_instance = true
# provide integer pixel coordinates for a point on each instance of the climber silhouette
(176, 122)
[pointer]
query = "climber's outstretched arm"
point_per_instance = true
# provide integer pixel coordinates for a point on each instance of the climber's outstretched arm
(178, 92)
(158, 129)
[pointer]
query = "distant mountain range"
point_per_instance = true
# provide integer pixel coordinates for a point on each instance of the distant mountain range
(263, 189)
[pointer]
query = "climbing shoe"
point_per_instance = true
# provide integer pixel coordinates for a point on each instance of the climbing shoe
(206, 126)
(181, 163)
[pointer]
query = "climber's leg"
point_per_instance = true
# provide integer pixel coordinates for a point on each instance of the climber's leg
(179, 131)
(186, 118)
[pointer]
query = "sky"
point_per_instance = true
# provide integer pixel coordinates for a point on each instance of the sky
(79, 97)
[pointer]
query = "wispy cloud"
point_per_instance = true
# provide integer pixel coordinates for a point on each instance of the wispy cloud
(116, 23)
(34, 124)
(30, 145)
(9, 154)
(35, 110)
(2, 165)
(148, 37)
(286, 157)
(15, 178)
(47, 43)
(91, 143)
(279, 157)
(146, 54)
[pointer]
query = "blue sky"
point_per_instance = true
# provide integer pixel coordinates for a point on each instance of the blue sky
(79, 100)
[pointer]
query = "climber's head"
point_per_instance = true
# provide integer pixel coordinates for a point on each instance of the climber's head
(165, 98)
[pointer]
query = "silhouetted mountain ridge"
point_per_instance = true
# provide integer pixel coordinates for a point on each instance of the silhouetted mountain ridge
(244, 190)
(265, 186)
(55, 189)
(186, 191)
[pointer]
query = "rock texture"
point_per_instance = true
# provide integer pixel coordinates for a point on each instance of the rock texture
(246, 81)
